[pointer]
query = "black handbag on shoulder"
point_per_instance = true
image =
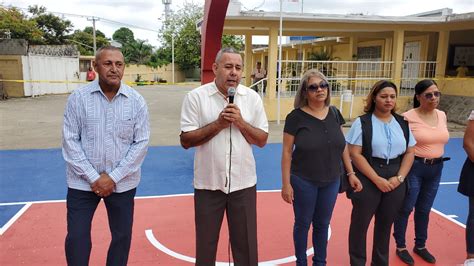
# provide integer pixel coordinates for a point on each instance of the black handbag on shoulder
(344, 184)
(466, 180)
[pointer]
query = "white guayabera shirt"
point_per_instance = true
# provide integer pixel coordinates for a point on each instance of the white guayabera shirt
(201, 107)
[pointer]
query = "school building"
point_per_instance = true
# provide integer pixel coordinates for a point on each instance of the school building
(355, 51)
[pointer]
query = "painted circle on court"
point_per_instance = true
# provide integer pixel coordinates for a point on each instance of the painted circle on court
(172, 229)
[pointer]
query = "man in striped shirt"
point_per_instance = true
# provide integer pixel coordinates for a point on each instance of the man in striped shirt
(105, 138)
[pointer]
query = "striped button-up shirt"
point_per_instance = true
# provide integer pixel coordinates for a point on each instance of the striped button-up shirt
(102, 136)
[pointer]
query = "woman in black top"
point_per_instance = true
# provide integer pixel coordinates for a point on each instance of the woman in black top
(466, 187)
(313, 145)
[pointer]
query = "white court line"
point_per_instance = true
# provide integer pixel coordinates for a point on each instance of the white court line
(449, 183)
(157, 244)
(63, 200)
(15, 217)
(448, 217)
(139, 198)
(29, 203)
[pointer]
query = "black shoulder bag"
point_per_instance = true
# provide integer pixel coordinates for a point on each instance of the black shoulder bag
(344, 184)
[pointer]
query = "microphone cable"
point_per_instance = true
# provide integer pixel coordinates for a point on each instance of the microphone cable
(230, 157)
(231, 93)
(230, 182)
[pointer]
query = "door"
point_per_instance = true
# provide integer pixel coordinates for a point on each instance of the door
(410, 64)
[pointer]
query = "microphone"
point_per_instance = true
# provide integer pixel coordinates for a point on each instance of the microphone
(231, 94)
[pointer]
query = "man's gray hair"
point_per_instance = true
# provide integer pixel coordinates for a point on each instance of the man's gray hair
(106, 48)
(225, 50)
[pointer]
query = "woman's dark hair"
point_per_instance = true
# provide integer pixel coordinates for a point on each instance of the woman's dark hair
(378, 86)
(420, 87)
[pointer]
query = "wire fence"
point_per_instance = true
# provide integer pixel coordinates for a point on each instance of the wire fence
(357, 76)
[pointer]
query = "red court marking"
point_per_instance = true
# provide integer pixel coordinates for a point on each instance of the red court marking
(37, 238)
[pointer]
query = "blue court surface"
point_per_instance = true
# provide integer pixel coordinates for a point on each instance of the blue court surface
(39, 175)
(33, 212)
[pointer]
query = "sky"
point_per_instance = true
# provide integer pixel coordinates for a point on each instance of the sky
(146, 15)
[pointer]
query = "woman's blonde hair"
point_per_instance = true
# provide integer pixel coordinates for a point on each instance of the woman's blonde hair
(301, 98)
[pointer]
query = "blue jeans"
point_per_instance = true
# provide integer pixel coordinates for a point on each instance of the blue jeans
(312, 204)
(423, 182)
(470, 227)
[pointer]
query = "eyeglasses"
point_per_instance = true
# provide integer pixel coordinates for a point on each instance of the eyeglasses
(430, 95)
(314, 87)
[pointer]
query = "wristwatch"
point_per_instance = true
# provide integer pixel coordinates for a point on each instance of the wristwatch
(400, 178)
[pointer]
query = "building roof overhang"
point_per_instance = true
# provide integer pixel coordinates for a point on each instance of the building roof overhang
(294, 24)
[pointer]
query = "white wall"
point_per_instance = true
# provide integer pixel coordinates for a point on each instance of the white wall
(63, 71)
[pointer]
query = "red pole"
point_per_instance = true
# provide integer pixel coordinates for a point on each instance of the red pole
(211, 35)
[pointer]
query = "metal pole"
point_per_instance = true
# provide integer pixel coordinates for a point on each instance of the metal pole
(301, 6)
(30, 70)
(93, 34)
(94, 19)
(172, 56)
(168, 11)
(279, 62)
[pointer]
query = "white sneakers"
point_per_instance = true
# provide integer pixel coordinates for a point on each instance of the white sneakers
(469, 262)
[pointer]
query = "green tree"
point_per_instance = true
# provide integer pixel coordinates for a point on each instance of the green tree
(320, 56)
(188, 47)
(135, 51)
(187, 40)
(98, 33)
(85, 41)
(160, 58)
(139, 52)
(54, 28)
(19, 25)
(233, 41)
(123, 36)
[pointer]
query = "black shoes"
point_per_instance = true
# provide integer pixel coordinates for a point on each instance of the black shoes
(405, 256)
(424, 254)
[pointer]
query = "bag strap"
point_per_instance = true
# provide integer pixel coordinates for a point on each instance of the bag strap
(334, 112)
(366, 127)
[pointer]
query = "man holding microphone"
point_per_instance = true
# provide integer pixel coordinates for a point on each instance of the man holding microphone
(222, 119)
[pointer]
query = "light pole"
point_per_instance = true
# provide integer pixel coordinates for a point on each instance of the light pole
(172, 56)
(94, 19)
(167, 4)
(168, 11)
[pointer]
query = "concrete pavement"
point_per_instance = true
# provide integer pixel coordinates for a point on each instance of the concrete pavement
(35, 123)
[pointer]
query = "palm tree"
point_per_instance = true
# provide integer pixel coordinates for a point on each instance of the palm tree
(138, 52)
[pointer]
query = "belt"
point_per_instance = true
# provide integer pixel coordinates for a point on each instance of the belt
(384, 161)
(433, 160)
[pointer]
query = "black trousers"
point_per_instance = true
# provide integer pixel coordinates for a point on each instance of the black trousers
(240, 208)
(372, 202)
(81, 206)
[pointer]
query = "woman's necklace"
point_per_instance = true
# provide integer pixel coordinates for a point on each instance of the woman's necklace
(319, 113)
